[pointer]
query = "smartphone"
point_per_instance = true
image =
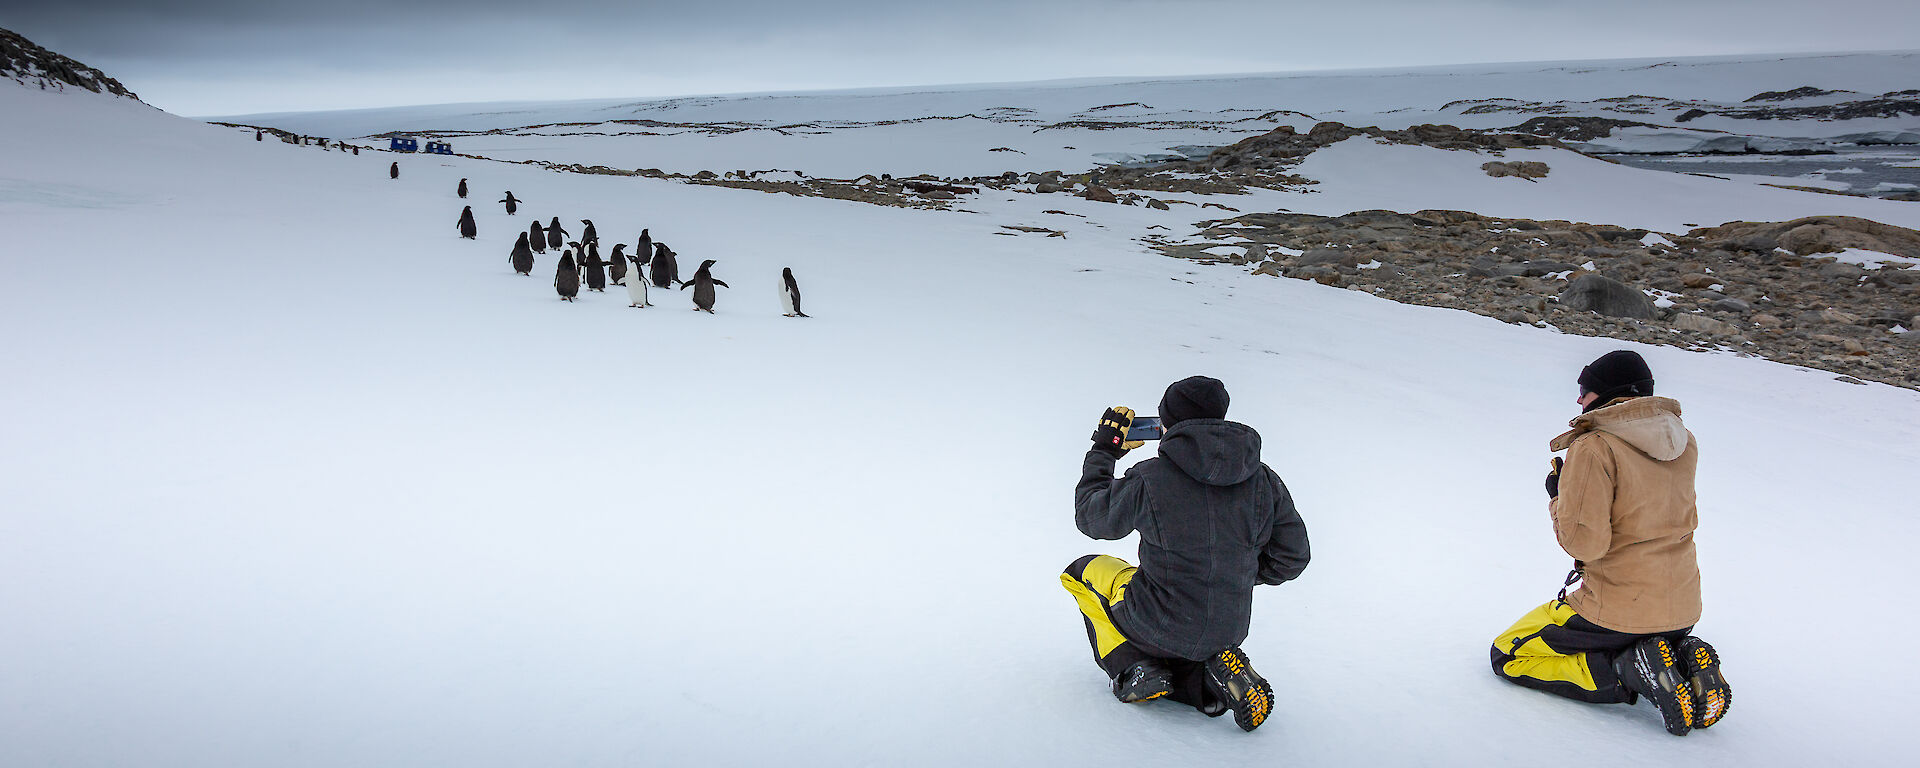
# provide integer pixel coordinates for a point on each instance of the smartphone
(1145, 428)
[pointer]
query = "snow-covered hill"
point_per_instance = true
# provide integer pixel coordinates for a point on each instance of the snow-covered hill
(295, 476)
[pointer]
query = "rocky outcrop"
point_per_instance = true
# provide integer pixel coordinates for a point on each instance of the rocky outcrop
(1525, 169)
(29, 64)
(1730, 287)
(1575, 128)
(1814, 235)
(1884, 107)
(1803, 92)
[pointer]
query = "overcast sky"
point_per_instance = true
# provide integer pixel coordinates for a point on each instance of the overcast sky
(221, 57)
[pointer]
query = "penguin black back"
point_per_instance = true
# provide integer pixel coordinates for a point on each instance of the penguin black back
(594, 269)
(513, 203)
(666, 270)
(588, 235)
(537, 237)
(467, 227)
(555, 234)
(566, 279)
(463, 189)
(393, 171)
(617, 264)
(522, 257)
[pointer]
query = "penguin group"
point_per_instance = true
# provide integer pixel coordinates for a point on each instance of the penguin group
(652, 264)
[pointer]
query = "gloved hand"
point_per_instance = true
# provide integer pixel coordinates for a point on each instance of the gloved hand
(1553, 479)
(1111, 435)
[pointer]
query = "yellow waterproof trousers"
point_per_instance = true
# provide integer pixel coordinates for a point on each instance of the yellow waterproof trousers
(1553, 649)
(1097, 583)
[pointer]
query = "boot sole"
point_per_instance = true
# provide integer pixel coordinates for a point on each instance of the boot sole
(1244, 691)
(1711, 695)
(1655, 663)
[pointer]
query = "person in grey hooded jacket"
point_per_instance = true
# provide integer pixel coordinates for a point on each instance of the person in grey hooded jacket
(1214, 521)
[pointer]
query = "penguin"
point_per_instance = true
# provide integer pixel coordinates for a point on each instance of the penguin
(467, 228)
(588, 235)
(513, 203)
(537, 237)
(703, 284)
(522, 257)
(566, 279)
(645, 249)
(617, 265)
(790, 294)
(463, 189)
(636, 284)
(666, 270)
(257, 135)
(594, 268)
(555, 234)
(393, 171)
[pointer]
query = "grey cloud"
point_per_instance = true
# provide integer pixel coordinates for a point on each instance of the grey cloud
(228, 56)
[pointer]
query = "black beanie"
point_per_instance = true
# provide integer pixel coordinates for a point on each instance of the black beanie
(1616, 374)
(1194, 397)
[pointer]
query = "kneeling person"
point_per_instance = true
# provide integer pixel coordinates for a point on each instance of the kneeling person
(1623, 506)
(1214, 521)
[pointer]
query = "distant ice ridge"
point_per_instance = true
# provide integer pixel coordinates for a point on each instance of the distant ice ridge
(1667, 140)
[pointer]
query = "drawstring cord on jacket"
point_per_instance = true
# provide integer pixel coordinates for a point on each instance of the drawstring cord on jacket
(1573, 577)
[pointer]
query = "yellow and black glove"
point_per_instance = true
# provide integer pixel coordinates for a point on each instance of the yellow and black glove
(1553, 479)
(1111, 435)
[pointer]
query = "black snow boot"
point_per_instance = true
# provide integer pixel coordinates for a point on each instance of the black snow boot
(1711, 694)
(1142, 681)
(1232, 681)
(1651, 668)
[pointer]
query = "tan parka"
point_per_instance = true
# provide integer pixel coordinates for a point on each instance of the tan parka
(1626, 509)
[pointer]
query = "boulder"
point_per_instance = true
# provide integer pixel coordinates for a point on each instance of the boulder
(939, 194)
(1535, 268)
(1706, 325)
(1156, 204)
(1321, 274)
(1598, 293)
(1735, 306)
(1324, 256)
(1843, 271)
(1525, 169)
(1099, 194)
(1698, 281)
(1046, 188)
(1838, 317)
(1268, 268)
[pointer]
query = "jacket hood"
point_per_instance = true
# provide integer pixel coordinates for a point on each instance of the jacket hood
(1650, 424)
(1213, 451)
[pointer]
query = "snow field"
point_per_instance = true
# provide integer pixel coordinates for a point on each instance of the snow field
(298, 477)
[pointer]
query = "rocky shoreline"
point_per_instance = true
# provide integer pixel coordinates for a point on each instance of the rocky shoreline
(1760, 289)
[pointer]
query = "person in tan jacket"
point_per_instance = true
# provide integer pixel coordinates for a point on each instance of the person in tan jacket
(1623, 506)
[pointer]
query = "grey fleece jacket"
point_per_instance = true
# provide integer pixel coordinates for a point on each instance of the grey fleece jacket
(1213, 522)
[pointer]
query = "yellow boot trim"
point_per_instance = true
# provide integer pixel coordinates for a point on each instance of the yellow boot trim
(1102, 585)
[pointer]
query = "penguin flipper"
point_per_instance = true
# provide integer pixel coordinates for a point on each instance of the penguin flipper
(722, 283)
(683, 286)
